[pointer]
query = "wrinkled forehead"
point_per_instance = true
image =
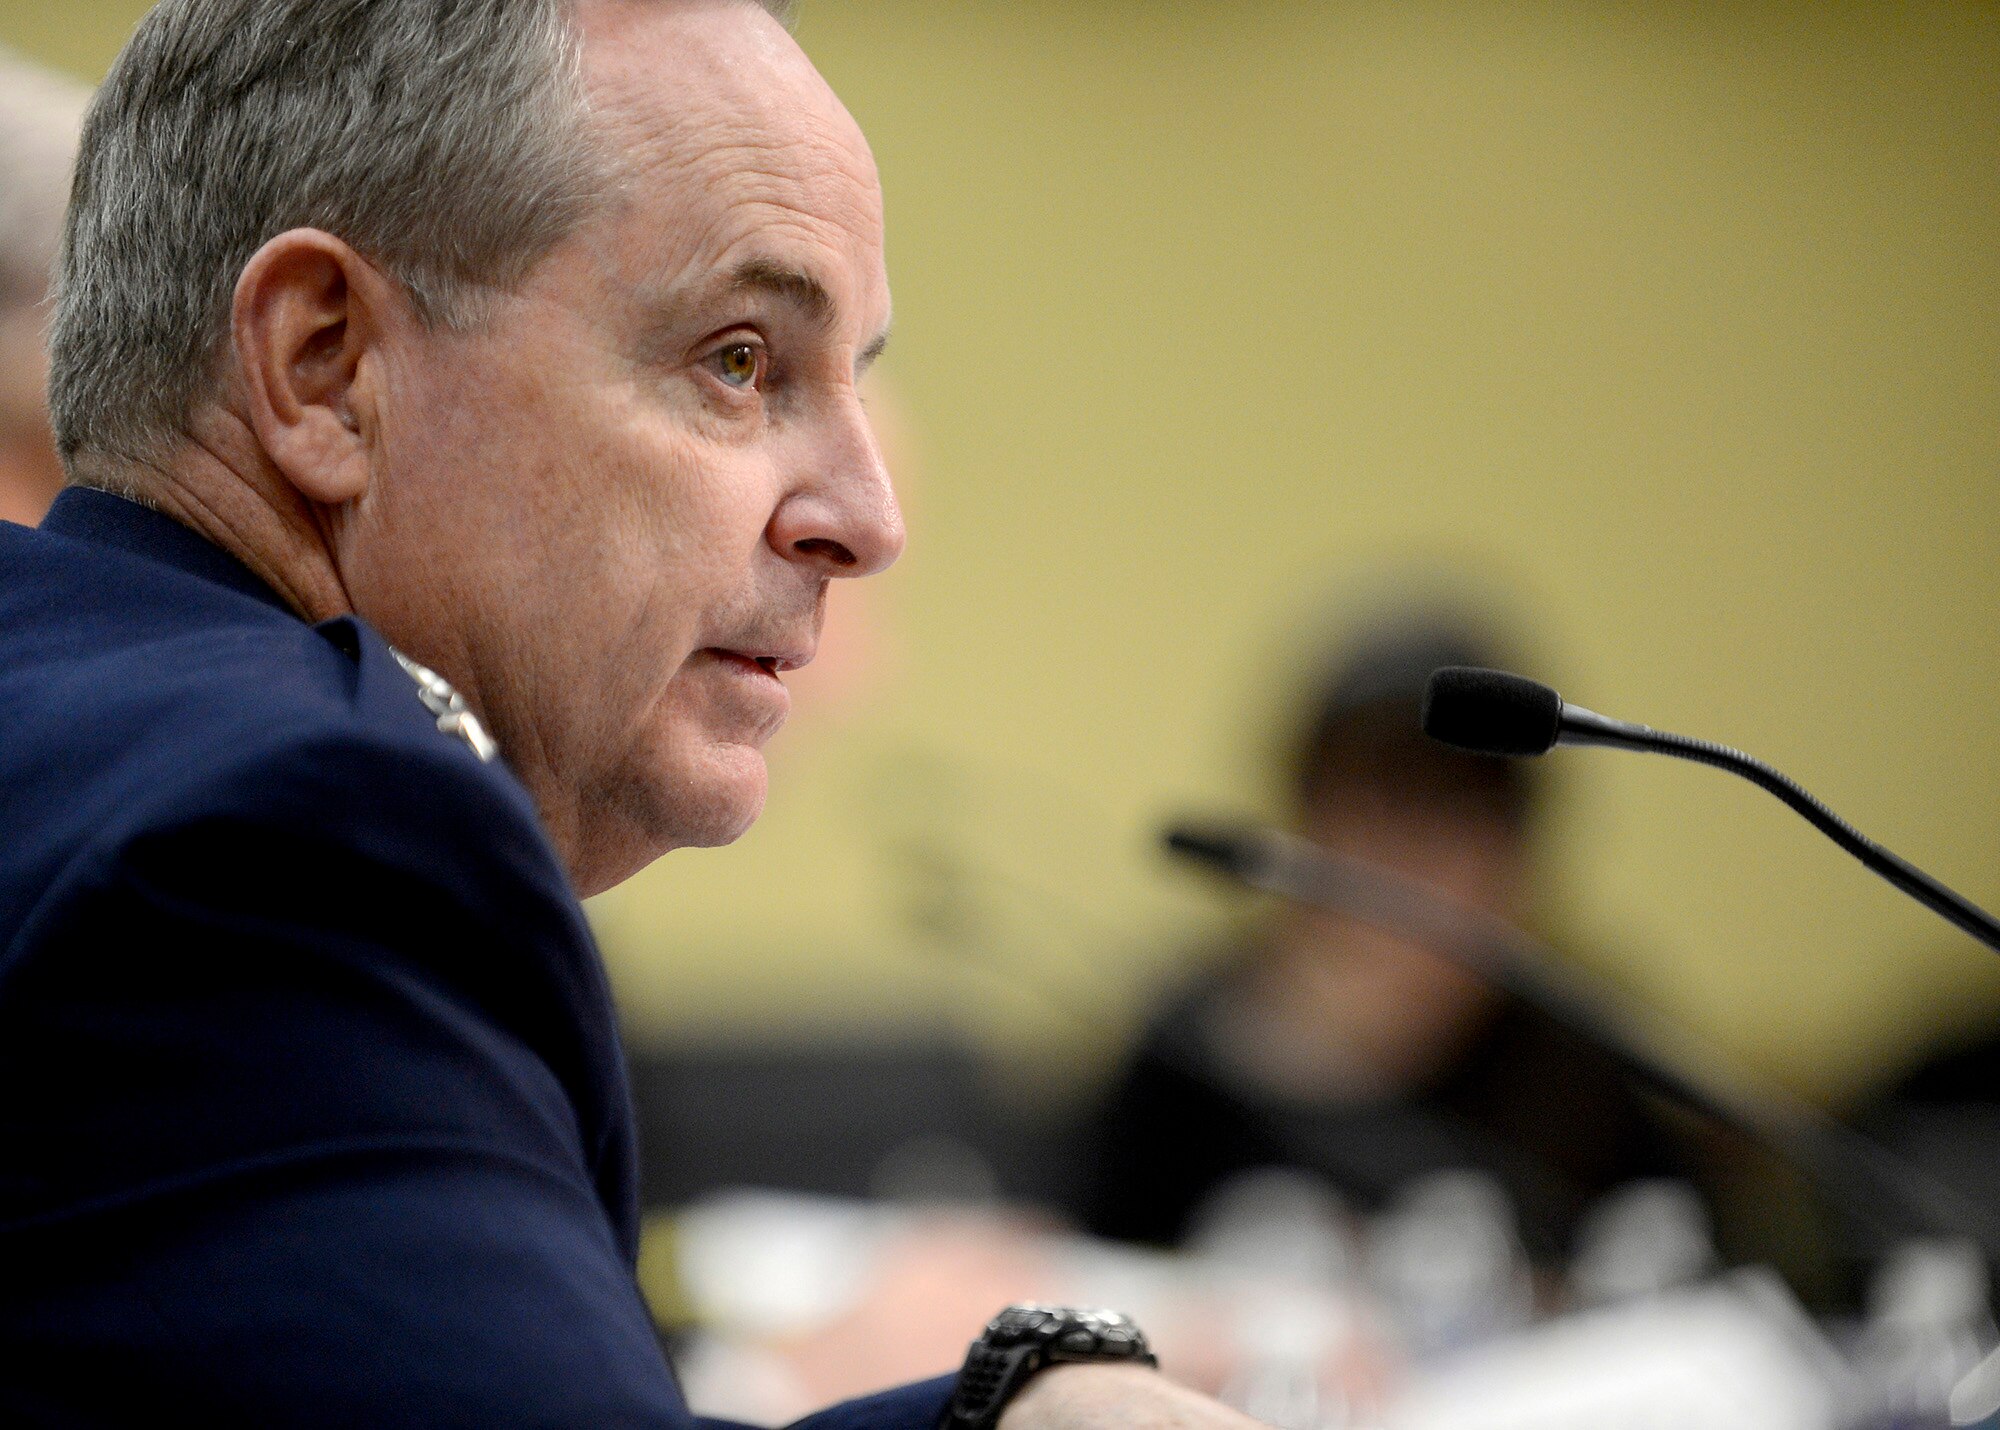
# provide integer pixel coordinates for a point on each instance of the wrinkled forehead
(721, 137)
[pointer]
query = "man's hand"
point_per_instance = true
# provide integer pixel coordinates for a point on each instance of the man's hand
(1115, 1397)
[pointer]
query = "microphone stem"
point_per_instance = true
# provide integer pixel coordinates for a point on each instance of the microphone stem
(1945, 902)
(1871, 1184)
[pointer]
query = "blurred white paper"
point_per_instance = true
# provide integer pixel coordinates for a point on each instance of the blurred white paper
(1736, 1355)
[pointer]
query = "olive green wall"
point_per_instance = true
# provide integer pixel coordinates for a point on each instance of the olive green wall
(1677, 323)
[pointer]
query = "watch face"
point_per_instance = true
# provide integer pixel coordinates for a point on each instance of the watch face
(1026, 1322)
(1067, 1333)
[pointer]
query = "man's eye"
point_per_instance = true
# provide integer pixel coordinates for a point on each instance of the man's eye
(739, 364)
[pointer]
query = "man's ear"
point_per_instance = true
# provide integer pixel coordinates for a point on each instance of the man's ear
(309, 313)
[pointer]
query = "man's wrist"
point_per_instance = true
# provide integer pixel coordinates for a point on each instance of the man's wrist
(1115, 1397)
(1063, 1394)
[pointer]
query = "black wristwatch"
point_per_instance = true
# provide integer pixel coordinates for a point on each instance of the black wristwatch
(1023, 1340)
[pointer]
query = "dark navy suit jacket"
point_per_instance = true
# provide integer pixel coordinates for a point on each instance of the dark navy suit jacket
(312, 1111)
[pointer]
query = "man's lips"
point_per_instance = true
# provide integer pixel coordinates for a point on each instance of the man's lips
(765, 662)
(759, 696)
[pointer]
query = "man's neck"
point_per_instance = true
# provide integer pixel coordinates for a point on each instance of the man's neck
(220, 485)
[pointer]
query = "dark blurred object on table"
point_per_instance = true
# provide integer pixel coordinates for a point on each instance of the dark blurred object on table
(1942, 1115)
(908, 1116)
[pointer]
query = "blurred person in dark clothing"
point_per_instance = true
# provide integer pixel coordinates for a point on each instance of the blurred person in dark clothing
(1320, 1042)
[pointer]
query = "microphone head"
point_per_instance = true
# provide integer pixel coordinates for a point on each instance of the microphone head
(1490, 712)
(1237, 852)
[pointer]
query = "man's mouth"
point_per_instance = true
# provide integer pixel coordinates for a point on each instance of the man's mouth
(771, 663)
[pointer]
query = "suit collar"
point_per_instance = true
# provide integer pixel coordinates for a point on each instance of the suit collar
(86, 514)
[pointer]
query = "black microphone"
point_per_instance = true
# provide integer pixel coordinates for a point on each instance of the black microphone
(1490, 712)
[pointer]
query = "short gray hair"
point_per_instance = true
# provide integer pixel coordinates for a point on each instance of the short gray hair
(445, 140)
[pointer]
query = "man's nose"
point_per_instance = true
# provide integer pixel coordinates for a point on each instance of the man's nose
(844, 519)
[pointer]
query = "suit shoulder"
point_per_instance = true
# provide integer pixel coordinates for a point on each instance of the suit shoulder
(108, 660)
(377, 757)
(139, 698)
(357, 823)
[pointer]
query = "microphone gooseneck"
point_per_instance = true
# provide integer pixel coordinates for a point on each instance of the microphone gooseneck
(1875, 1187)
(1490, 712)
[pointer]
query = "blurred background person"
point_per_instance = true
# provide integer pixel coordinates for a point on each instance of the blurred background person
(1321, 1042)
(40, 114)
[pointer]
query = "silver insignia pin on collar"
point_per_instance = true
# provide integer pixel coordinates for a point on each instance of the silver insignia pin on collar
(453, 718)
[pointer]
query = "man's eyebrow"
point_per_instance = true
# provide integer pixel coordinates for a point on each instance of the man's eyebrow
(793, 285)
(804, 292)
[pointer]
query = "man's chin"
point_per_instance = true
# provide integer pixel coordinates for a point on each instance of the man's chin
(644, 812)
(720, 802)
(725, 822)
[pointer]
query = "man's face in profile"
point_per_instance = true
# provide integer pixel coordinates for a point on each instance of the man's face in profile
(627, 493)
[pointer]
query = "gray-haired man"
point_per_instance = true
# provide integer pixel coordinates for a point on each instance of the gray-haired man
(461, 400)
